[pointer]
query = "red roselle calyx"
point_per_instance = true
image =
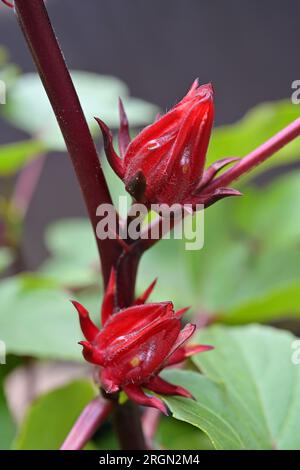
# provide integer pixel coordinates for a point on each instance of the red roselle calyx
(165, 163)
(135, 344)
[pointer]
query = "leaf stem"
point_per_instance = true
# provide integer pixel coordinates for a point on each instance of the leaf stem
(257, 156)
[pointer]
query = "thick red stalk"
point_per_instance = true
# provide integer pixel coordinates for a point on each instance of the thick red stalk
(127, 269)
(129, 428)
(93, 415)
(55, 76)
(257, 156)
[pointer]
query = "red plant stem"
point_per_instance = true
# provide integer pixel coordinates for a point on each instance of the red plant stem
(93, 415)
(257, 156)
(127, 269)
(128, 427)
(55, 76)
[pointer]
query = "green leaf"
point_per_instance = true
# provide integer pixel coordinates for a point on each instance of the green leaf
(7, 428)
(173, 434)
(277, 304)
(7, 431)
(67, 238)
(268, 224)
(270, 214)
(248, 395)
(8, 70)
(51, 417)
(205, 412)
(218, 270)
(248, 269)
(98, 95)
(13, 157)
(273, 289)
(37, 318)
(161, 262)
(258, 125)
(74, 259)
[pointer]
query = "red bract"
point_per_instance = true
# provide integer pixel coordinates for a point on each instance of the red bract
(165, 162)
(135, 344)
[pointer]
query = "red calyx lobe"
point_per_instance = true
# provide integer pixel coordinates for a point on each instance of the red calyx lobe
(134, 345)
(171, 152)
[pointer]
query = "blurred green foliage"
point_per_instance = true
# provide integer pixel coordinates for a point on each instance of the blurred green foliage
(51, 416)
(248, 394)
(69, 264)
(15, 156)
(99, 96)
(5, 258)
(248, 271)
(7, 428)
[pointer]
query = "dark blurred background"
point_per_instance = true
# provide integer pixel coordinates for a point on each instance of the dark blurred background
(249, 49)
